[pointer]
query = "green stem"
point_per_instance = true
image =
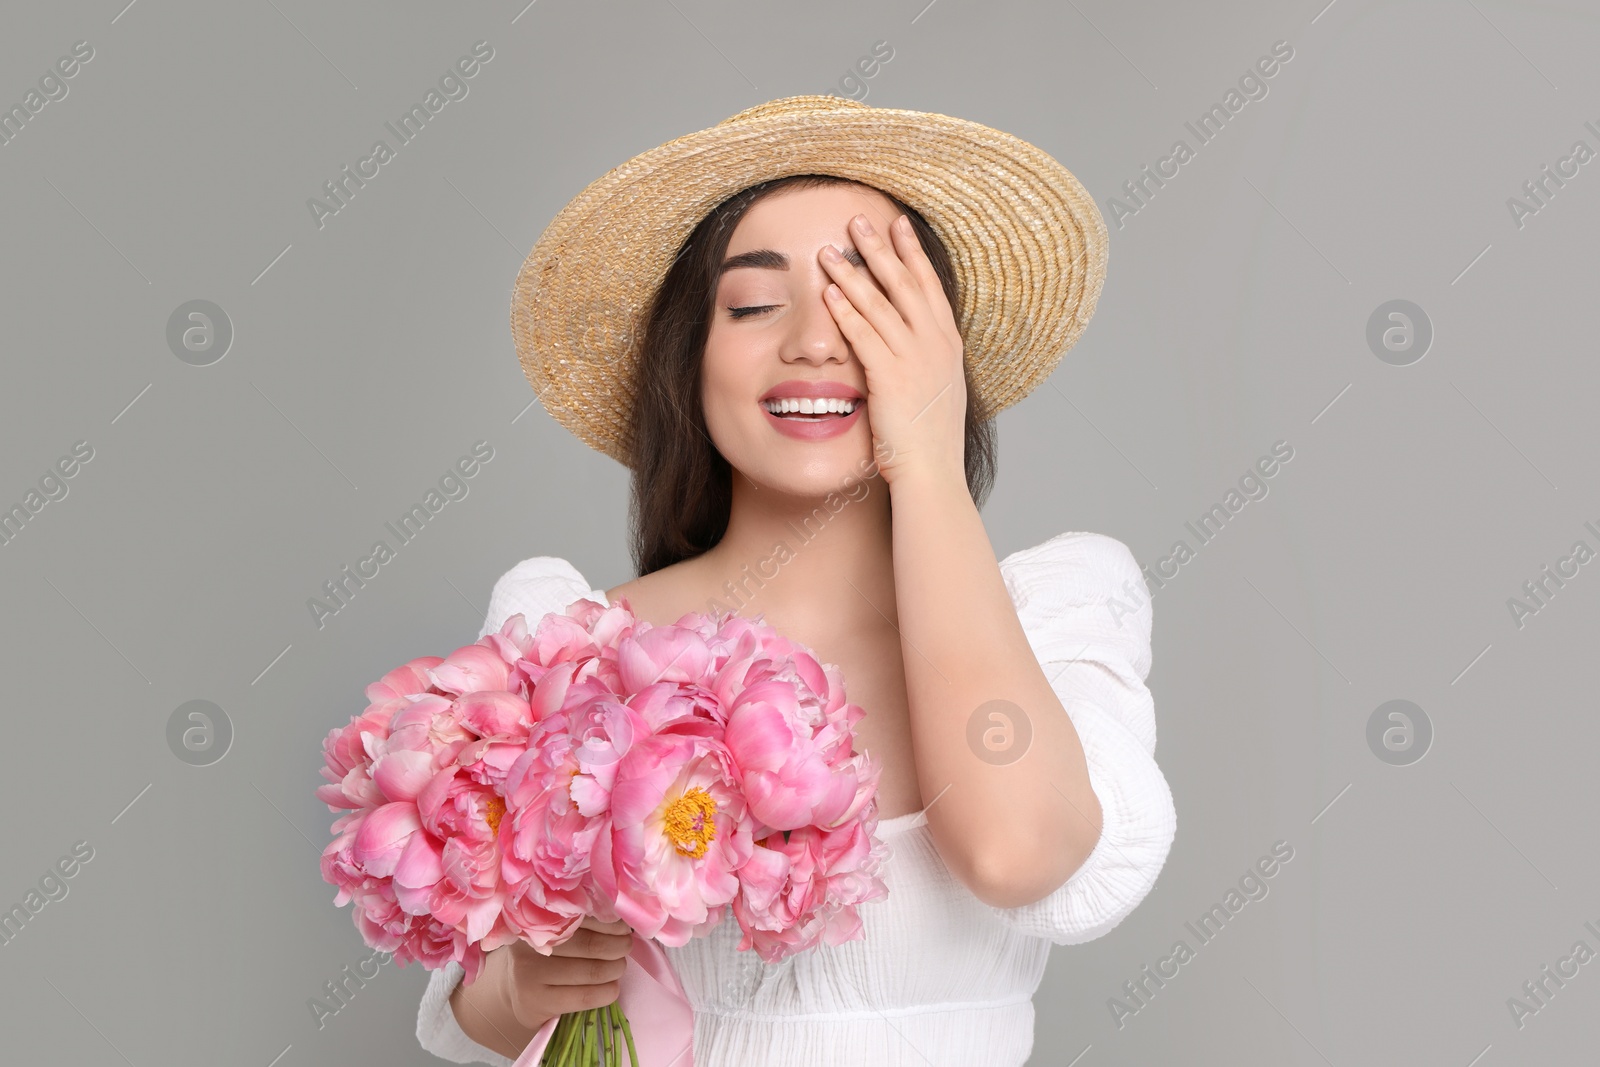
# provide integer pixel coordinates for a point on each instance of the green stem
(589, 1038)
(563, 1041)
(553, 1052)
(627, 1033)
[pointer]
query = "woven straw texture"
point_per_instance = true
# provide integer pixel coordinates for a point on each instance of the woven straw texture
(1025, 238)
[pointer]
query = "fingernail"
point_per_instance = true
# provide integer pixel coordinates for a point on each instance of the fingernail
(831, 252)
(863, 225)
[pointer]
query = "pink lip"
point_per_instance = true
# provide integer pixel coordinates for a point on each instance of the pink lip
(821, 430)
(819, 388)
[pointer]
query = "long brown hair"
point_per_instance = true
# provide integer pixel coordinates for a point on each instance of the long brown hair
(682, 492)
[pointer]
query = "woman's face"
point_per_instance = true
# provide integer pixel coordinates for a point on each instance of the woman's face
(783, 333)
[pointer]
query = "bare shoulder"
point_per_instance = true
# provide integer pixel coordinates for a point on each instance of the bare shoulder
(663, 597)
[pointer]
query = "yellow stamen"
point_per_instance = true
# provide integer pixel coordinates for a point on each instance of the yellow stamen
(494, 810)
(691, 822)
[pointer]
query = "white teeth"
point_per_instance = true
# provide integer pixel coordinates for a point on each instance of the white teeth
(810, 405)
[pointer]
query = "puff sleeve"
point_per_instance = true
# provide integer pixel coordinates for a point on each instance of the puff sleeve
(534, 587)
(1086, 609)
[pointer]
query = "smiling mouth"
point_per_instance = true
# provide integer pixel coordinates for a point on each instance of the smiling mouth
(811, 410)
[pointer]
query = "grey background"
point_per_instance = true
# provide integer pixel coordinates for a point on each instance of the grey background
(369, 354)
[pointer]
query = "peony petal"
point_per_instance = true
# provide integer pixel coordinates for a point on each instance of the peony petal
(759, 737)
(404, 680)
(492, 712)
(421, 862)
(662, 653)
(402, 774)
(469, 669)
(382, 837)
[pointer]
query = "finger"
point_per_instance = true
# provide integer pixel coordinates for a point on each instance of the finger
(577, 970)
(590, 943)
(917, 262)
(873, 306)
(559, 1000)
(869, 346)
(597, 945)
(618, 927)
(904, 290)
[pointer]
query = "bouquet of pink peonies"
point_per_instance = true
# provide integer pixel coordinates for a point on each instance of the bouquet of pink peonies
(599, 765)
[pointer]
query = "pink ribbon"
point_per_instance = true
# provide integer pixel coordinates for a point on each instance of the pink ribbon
(659, 1015)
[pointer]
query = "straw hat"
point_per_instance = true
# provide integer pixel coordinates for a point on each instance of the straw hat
(1026, 241)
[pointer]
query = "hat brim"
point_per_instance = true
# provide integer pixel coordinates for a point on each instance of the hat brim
(1026, 241)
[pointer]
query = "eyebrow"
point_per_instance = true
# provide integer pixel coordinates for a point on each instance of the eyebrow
(770, 259)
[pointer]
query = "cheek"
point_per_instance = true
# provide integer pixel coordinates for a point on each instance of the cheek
(721, 389)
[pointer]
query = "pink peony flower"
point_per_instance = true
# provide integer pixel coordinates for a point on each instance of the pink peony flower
(347, 763)
(787, 777)
(679, 830)
(797, 893)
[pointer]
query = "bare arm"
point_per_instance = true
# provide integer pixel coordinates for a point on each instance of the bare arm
(1014, 831)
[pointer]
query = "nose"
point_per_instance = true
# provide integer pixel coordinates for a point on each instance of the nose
(815, 336)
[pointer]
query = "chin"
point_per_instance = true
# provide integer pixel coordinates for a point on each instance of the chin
(823, 471)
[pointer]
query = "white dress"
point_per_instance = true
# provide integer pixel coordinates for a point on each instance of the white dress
(939, 977)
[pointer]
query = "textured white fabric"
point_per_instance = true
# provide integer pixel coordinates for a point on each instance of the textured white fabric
(939, 977)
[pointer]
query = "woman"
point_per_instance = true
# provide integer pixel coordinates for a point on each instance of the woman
(852, 526)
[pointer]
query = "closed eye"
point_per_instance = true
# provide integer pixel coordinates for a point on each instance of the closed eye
(745, 312)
